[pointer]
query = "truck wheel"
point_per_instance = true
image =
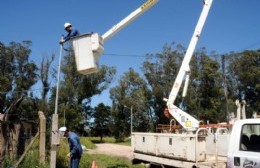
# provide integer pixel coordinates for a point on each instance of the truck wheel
(156, 166)
(136, 161)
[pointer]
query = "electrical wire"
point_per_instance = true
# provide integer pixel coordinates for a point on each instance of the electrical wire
(125, 55)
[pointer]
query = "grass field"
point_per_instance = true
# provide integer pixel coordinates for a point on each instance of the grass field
(108, 140)
(103, 161)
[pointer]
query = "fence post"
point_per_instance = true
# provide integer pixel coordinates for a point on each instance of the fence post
(42, 142)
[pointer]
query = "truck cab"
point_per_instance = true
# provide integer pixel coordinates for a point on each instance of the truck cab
(244, 144)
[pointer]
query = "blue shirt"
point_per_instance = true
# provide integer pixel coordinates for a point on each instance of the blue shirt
(72, 33)
(74, 144)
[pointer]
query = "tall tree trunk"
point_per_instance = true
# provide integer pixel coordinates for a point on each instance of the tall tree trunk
(6, 131)
(3, 143)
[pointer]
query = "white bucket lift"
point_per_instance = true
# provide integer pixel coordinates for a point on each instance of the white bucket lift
(89, 47)
(87, 50)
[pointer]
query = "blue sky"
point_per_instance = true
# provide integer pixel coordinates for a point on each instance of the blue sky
(232, 25)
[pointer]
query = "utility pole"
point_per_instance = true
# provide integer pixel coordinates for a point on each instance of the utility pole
(131, 120)
(54, 131)
(223, 60)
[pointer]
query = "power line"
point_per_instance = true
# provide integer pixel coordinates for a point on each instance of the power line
(154, 55)
(125, 55)
(121, 55)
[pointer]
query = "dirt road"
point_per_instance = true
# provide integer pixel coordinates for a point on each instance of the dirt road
(112, 149)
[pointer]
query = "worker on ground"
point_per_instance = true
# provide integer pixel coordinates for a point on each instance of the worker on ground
(71, 32)
(74, 145)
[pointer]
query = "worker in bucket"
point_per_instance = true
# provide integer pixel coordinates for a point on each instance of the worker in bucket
(71, 33)
(74, 145)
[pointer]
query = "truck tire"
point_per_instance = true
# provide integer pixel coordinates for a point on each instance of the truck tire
(136, 161)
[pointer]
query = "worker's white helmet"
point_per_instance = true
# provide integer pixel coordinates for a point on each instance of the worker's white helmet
(67, 25)
(62, 131)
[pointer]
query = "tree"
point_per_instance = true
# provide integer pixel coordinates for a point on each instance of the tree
(17, 75)
(76, 91)
(102, 115)
(244, 79)
(44, 77)
(210, 91)
(132, 92)
(160, 71)
(205, 91)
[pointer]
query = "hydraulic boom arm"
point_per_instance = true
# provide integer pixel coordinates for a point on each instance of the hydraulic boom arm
(182, 117)
(147, 5)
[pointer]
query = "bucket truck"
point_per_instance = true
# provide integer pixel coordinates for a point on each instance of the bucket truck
(192, 146)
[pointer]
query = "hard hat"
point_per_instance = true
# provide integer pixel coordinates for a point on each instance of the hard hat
(62, 131)
(67, 25)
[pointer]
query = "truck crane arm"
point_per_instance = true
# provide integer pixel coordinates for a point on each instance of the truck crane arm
(147, 5)
(89, 47)
(186, 120)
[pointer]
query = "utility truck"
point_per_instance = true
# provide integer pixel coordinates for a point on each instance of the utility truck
(204, 148)
(193, 145)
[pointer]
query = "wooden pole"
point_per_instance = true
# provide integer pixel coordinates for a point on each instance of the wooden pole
(42, 142)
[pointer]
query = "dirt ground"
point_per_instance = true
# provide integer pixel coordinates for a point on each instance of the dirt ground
(112, 149)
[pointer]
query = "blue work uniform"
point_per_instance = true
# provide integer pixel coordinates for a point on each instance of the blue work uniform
(75, 150)
(74, 32)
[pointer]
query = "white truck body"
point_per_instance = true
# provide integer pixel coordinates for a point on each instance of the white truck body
(244, 144)
(201, 149)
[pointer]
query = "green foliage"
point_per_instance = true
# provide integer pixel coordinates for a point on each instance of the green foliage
(101, 123)
(244, 79)
(62, 161)
(160, 71)
(32, 158)
(209, 90)
(76, 91)
(132, 92)
(44, 78)
(17, 73)
(126, 141)
(86, 141)
(110, 161)
(206, 99)
(30, 104)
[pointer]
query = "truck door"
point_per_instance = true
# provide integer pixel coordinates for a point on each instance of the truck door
(247, 153)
